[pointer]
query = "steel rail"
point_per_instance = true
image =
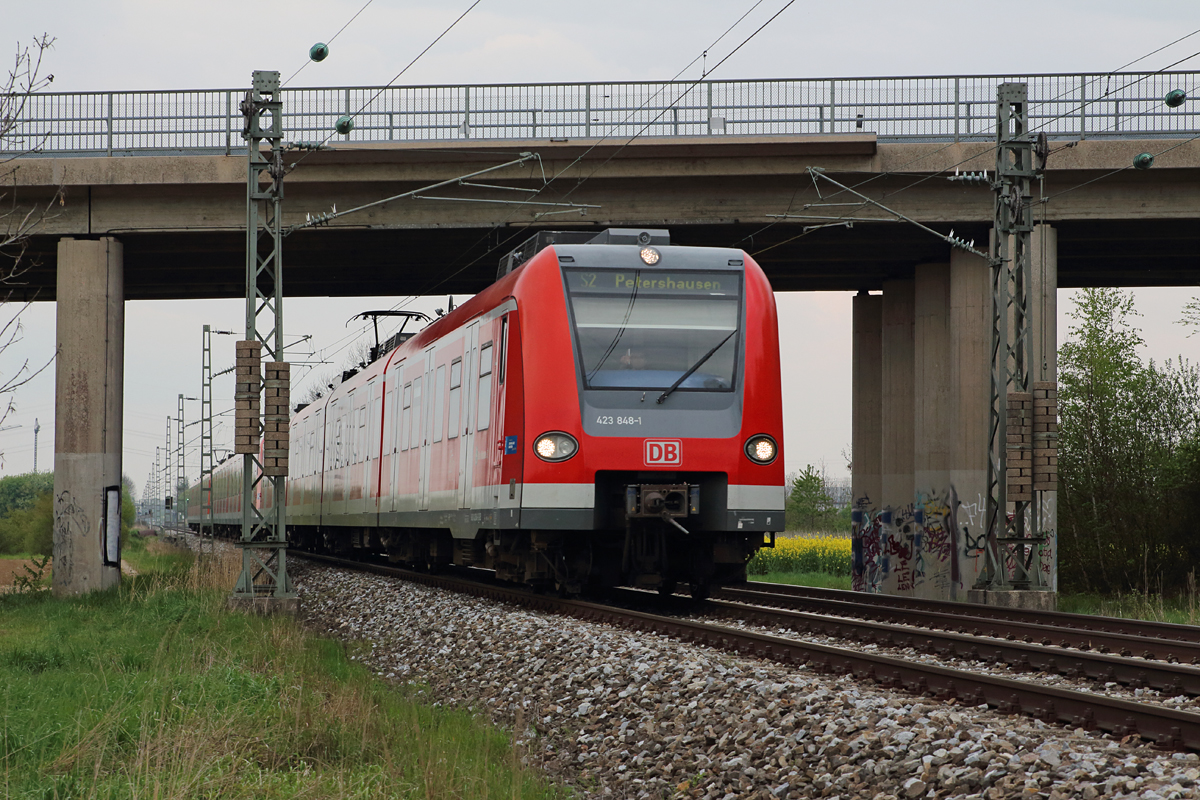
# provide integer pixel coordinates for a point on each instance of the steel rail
(1166, 727)
(1171, 679)
(1142, 629)
(1045, 633)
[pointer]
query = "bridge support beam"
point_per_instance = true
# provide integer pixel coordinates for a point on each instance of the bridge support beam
(970, 349)
(896, 490)
(89, 385)
(920, 411)
(867, 400)
(866, 437)
(933, 423)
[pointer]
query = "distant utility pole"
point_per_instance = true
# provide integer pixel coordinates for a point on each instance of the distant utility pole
(264, 583)
(167, 478)
(36, 429)
(181, 463)
(157, 477)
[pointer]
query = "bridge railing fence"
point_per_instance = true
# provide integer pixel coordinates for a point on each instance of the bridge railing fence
(1120, 105)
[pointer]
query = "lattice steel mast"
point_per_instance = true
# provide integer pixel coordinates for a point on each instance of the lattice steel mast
(1010, 415)
(206, 443)
(264, 538)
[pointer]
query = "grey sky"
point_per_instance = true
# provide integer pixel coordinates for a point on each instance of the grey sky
(140, 44)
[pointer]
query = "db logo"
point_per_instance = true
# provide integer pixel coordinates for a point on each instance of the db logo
(664, 452)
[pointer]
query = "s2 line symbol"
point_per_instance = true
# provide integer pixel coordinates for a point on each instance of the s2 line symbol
(664, 452)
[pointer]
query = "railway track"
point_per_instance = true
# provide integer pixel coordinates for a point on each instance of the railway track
(1166, 727)
(1154, 631)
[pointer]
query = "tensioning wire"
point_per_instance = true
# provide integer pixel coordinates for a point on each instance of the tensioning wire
(583, 155)
(946, 169)
(387, 85)
(900, 169)
(308, 61)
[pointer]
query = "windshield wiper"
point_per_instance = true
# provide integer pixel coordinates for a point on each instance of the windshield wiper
(695, 367)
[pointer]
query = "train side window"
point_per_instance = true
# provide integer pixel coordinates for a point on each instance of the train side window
(373, 401)
(439, 402)
(484, 403)
(360, 437)
(455, 397)
(388, 425)
(404, 416)
(503, 356)
(416, 421)
(337, 438)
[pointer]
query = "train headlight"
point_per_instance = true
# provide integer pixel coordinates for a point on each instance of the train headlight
(555, 446)
(761, 449)
(650, 256)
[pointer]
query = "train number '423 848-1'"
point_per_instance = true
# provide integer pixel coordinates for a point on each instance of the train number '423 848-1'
(603, 420)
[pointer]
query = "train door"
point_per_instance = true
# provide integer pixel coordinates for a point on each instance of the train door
(497, 437)
(484, 414)
(391, 444)
(426, 435)
(466, 453)
(370, 439)
(318, 465)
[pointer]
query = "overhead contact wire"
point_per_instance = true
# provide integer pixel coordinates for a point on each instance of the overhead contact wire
(604, 138)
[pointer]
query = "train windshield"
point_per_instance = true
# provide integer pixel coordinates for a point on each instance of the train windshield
(645, 329)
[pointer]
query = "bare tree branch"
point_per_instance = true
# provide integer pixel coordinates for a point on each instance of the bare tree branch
(19, 222)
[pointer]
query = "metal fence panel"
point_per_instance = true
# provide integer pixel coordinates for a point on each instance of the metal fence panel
(947, 108)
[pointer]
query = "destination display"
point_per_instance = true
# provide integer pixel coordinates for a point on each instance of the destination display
(656, 281)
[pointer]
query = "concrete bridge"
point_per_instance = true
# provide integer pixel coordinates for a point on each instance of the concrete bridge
(168, 222)
(181, 217)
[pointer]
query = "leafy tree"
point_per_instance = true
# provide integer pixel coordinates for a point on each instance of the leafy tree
(809, 506)
(19, 492)
(30, 529)
(1191, 315)
(1127, 429)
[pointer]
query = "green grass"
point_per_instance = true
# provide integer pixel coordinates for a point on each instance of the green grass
(819, 580)
(155, 690)
(1183, 609)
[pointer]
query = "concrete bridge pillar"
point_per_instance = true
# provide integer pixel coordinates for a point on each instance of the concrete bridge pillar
(89, 383)
(933, 422)
(896, 452)
(970, 351)
(866, 443)
(867, 400)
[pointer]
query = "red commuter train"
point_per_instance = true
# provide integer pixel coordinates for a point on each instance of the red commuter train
(607, 412)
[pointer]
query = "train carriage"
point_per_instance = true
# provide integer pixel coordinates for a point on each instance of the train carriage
(608, 412)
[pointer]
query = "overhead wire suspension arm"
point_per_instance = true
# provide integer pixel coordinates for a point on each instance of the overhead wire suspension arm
(325, 219)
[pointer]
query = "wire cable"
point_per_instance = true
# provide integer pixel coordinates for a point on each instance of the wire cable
(399, 74)
(308, 61)
(440, 281)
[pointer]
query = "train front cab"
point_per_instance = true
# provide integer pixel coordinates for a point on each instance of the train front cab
(654, 426)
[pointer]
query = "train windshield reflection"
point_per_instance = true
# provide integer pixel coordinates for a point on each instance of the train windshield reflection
(643, 329)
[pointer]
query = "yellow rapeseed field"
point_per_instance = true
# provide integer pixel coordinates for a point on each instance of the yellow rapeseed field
(829, 554)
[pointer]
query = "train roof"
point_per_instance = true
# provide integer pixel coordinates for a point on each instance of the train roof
(543, 239)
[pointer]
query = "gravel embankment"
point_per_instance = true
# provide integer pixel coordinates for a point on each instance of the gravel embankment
(627, 715)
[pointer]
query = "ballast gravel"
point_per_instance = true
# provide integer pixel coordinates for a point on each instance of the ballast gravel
(618, 714)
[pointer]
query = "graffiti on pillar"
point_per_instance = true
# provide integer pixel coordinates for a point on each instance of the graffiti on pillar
(866, 574)
(901, 549)
(934, 547)
(70, 525)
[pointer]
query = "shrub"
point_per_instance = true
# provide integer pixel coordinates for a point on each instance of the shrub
(29, 530)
